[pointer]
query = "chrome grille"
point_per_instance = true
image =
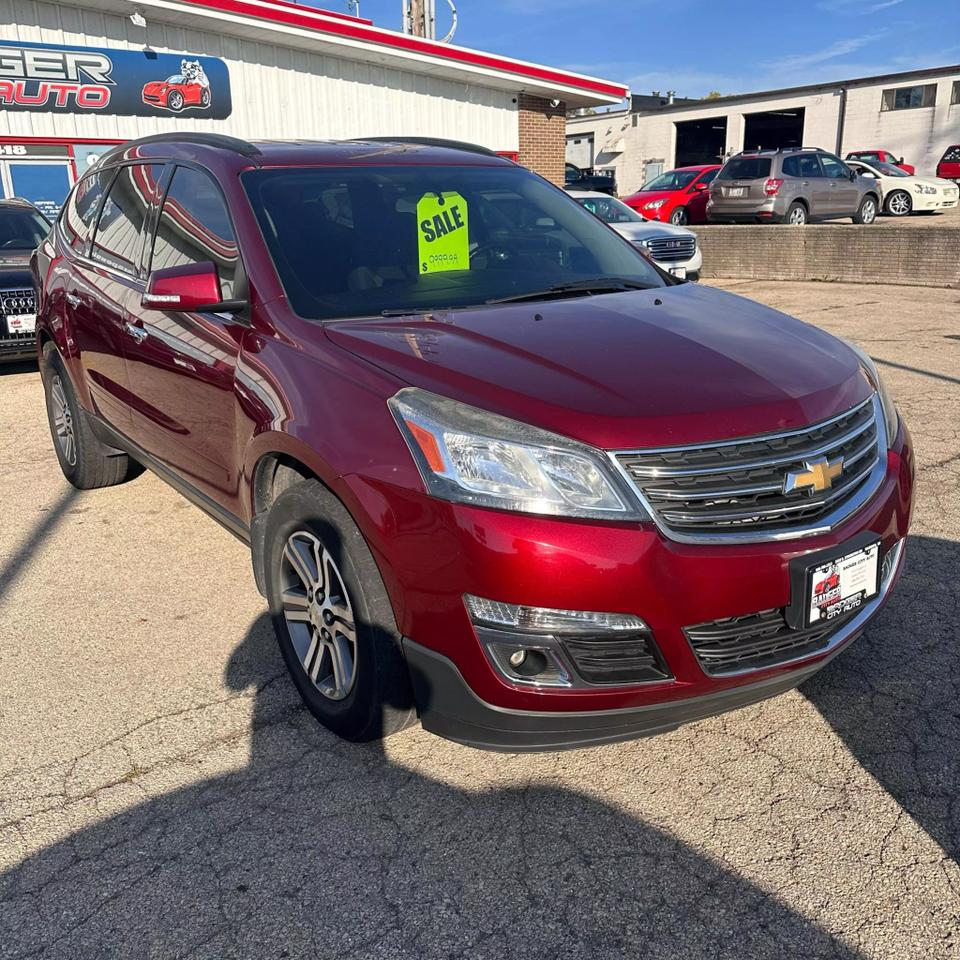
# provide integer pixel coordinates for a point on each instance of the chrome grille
(737, 488)
(672, 249)
(16, 302)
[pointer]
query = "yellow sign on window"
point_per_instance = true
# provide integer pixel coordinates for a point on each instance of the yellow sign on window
(443, 233)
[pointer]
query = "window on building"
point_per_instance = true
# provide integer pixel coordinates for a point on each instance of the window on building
(955, 96)
(118, 241)
(195, 227)
(908, 98)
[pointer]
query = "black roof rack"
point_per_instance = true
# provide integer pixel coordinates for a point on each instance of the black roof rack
(432, 142)
(219, 140)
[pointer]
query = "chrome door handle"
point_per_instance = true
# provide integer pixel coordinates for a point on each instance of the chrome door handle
(72, 299)
(138, 333)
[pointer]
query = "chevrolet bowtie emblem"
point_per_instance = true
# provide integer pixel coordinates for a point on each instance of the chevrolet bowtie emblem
(818, 475)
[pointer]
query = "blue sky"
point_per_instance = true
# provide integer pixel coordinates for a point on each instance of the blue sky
(694, 48)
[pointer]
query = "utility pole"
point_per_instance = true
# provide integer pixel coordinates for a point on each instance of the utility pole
(417, 12)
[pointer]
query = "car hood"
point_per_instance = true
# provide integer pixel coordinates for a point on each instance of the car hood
(15, 269)
(650, 229)
(648, 196)
(671, 365)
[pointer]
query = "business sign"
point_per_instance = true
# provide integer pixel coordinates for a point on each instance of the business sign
(50, 78)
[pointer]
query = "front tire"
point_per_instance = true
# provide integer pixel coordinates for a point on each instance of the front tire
(333, 618)
(899, 204)
(175, 101)
(85, 461)
(680, 217)
(867, 213)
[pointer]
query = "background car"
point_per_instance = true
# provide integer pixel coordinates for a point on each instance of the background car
(881, 156)
(22, 227)
(576, 178)
(949, 166)
(678, 196)
(791, 185)
(674, 249)
(903, 194)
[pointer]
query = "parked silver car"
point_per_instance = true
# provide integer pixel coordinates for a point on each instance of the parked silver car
(793, 185)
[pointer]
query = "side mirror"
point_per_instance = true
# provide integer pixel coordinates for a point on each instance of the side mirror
(189, 288)
(854, 174)
(900, 160)
(700, 187)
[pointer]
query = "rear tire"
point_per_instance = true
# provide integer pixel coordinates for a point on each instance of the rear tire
(333, 618)
(796, 215)
(867, 213)
(85, 461)
(899, 204)
(680, 217)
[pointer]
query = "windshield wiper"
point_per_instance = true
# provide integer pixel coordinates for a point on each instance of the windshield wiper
(596, 285)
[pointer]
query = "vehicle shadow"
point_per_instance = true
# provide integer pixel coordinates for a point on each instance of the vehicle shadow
(18, 366)
(894, 697)
(317, 848)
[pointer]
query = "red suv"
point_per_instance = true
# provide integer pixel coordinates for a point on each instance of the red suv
(678, 197)
(949, 166)
(495, 468)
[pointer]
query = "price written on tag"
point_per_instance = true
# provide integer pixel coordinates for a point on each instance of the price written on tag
(443, 233)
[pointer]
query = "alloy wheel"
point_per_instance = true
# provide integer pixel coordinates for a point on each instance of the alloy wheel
(63, 421)
(319, 615)
(899, 204)
(868, 212)
(679, 217)
(798, 217)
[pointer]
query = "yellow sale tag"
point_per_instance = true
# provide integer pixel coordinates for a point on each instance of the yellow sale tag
(443, 233)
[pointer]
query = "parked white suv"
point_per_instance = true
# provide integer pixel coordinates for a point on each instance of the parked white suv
(674, 249)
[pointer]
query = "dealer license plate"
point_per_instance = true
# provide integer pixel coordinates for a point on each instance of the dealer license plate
(679, 272)
(22, 323)
(839, 586)
(736, 191)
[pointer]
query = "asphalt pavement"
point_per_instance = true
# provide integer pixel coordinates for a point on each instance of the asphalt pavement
(163, 794)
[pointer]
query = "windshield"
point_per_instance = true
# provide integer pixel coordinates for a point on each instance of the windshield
(745, 168)
(176, 78)
(21, 228)
(610, 210)
(888, 169)
(359, 241)
(674, 180)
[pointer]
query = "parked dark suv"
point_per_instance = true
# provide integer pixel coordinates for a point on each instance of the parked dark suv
(22, 227)
(793, 185)
(495, 468)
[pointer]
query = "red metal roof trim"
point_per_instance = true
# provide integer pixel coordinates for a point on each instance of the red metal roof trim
(312, 19)
(335, 14)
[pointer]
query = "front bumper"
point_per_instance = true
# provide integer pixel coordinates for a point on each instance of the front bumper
(449, 708)
(431, 553)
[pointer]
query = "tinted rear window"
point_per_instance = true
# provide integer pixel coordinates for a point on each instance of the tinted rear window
(745, 168)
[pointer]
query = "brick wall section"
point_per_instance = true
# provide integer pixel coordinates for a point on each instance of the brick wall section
(543, 136)
(842, 252)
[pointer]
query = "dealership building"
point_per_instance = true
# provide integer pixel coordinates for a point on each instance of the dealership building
(78, 78)
(915, 115)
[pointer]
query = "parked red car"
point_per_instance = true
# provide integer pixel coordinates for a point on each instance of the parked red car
(881, 156)
(949, 166)
(495, 469)
(678, 197)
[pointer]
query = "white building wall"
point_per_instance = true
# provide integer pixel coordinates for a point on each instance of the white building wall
(277, 92)
(920, 135)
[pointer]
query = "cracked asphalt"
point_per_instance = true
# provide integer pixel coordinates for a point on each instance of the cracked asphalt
(163, 794)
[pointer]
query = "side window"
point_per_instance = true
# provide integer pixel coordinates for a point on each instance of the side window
(833, 168)
(118, 240)
(809, 166)
(709, 176)
(79, 211)
(791, 166)
(194, 226)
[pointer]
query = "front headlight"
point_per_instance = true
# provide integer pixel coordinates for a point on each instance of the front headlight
(470, 456)
(643, 244)
(890, 416)
(654, 205)
(923, 188)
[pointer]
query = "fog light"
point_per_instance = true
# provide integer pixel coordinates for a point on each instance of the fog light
(537, 665)
(517, 657)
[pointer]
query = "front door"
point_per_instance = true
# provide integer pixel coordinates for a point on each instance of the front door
(182, 365)
(844, 192)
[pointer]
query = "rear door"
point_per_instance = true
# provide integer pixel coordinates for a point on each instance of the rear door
(813, 184)
(697, 196)
(182, 365)
(844, 191)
